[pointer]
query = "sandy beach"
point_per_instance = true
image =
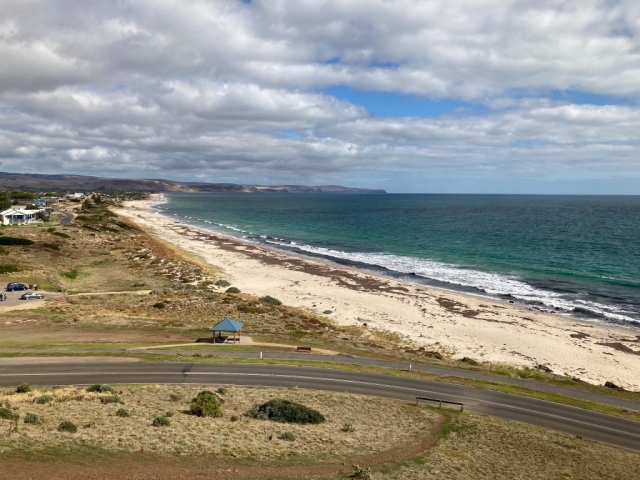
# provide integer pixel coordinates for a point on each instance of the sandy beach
(460, 325)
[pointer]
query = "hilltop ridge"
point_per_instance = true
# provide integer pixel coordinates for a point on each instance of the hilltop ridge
(34, 181)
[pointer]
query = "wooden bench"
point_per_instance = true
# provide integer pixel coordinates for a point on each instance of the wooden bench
(303, 349)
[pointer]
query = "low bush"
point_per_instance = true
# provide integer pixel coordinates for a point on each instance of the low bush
(123, 413)
(269, 299)
(15, 241)
(7, 413)
(61, 234)
(32, 419)
(158, 305)
(252, 309)
(43, 399)
(233, 290)
(234, 418)
(111, 399)
(222, 283)
(23, 388)
(52, 246)
(71, 275)
(206, 404)
(348, 427)
(174, 397)
(161, 422)
(9, 269)
(101, 388)
(327, 312)
(67, 426)
(286, 411)
(361, 473)
(221, 391)
(169, 414)
(288, 436)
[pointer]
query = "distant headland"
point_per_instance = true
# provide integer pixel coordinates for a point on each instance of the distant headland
(41, 182)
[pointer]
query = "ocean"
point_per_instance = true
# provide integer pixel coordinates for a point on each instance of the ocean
(571, 255)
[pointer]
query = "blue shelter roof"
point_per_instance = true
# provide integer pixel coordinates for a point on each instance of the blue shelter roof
(227, 325)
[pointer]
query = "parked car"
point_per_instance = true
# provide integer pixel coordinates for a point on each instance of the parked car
(14, 287)
(31, 296)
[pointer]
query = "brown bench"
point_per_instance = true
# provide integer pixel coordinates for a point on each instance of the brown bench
(303, 349)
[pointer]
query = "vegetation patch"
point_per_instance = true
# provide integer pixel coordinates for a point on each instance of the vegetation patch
(71, 275)
(9, 269)
(32, 419)
(270, 300)
(101, 388)
(7, 414)
(232, 290)
(43, 399)
(286, 411)
(111, 399)
(206, 404)
(222, 283)
(161, 422)
(23, 388)
(67, 426)
(124, 413)
(15, 241)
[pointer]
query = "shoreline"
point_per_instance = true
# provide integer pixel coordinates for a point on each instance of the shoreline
(460, 324)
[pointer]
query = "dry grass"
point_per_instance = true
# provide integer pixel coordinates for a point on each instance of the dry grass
(380, 424)
(481, 448)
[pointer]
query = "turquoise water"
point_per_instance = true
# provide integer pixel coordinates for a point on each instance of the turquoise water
(569, 254)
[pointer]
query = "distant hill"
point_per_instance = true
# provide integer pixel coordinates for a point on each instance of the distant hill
(82, 183)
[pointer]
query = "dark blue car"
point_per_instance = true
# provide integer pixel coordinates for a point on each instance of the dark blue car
(14, 287)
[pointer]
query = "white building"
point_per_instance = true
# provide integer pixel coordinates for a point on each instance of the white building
(15, 216)
(75, 196)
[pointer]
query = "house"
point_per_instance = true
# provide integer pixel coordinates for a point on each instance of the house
(50, 200)
(75, 196)
(15, 216)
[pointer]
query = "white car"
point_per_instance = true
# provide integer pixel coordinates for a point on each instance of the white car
(32, 296)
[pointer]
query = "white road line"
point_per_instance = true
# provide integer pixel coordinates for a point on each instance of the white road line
(371, 384)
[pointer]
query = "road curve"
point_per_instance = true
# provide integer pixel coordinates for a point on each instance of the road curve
(604, 428)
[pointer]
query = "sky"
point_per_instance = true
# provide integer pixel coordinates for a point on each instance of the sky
(442, 96)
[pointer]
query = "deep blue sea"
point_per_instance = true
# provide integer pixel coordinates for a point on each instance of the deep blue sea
(576, 255)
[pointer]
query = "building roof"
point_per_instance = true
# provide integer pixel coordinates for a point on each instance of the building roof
(227, 325)
(16, 211)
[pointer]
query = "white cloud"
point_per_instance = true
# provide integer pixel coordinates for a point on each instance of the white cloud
(225, 89)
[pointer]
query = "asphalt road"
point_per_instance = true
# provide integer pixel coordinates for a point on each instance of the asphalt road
(68, 218)
(595, 426)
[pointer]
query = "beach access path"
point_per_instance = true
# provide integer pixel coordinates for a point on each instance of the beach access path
(457, 324)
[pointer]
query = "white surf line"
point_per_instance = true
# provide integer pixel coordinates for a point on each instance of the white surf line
(371, 384)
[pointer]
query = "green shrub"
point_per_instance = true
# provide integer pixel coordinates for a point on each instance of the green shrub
(286, 411)
(222, 283)
(252, 309)
(288, 436)
(169, 414)
(221, 391)
(206, 404)
(67, 426)
(233, 290)
(234, 418)
(9, 269)
(327, 312)
(159, 305)
(7, 413)
(348, 427)
(123, 413)
(269, 299)
(71, 275)
(52, 246)
(174, 397)
(161, 422)
(361, 473)
(32, 419)
(111, 399)
(101, 388)
(23, 388)
(43, 399)
(15, 241)
(61, 234)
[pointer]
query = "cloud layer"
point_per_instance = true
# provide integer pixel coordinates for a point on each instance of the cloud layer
(242, 91)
